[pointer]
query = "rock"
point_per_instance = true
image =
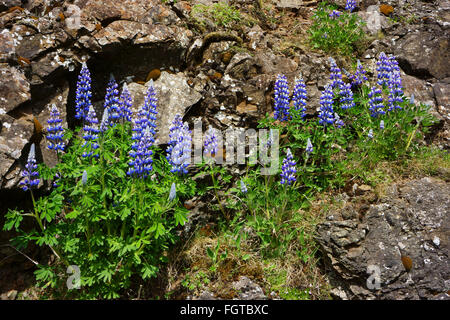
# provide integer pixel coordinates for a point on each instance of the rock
(410, 218)
(423, 91)
(411, 50)
(174, 95)
(10, 295)
(14, 135)
(248, 290)
(14, 89)
(442, 94)
(7, 47)
(5, 4)
(288, 4)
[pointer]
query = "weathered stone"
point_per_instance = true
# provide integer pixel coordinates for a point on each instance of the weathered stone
(248, 290)
(7, 48)
(14, 135)
(413, 219)
(14, 89)
(288, 4)
(424, 54)
(442, 94)
(423, 92)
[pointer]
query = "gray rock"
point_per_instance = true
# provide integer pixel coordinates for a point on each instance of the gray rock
(413, 217)
(248, 290)
(288, 4)
(424, 54)
(14, 89)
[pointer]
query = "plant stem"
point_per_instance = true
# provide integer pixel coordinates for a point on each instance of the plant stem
(216, 193)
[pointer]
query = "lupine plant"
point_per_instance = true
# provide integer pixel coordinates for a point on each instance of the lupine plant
(116, 207)
(336, 31)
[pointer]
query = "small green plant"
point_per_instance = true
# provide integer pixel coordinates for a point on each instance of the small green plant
(215, 256)
(221, 14)
(334, 31)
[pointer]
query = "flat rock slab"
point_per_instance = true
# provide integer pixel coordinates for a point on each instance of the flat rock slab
(414, 217)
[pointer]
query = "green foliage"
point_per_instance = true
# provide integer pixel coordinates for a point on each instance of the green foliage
(339, 35)
(113, 228)
(221, 14)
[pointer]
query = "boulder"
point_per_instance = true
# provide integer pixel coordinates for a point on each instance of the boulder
(367, 251)
(424, 54)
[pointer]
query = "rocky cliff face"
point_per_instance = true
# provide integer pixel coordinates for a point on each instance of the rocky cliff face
(226, 79)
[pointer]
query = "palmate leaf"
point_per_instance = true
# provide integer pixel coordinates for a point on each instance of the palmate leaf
(180, 216)
(13, 220)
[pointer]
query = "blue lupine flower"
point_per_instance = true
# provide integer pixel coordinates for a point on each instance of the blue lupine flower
(309, 146)
(146, 116)
(281, 98)
(350, 5)
(104, 124)
(56, 179)
(393, 63)
(174, 132)
(141, 156)
(395, 91)
(83, 93)
(336, 75)
(150, 105)
(334, 14)
(243, 187)
(384, 68)
(411, 99)
(84, 178)
(125, 104)
(210, 143)
(90, 133)
(382, 124)
(370, 134)
(347, 96)
(179, 150)
(288, 169)
(326, 113)
(29, 173)
(360, 75)
(173, 192)
(299, 96)
(376, 106)
(112, 101)
(337, 121)
(55, 132)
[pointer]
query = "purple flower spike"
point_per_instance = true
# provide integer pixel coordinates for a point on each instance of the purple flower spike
(347, 96)
(83, 93)
(288, 169)
(299, 96)
(326, 113)
(376, 106)
(90, 133)
(350, 5)
(179, 149)
(336, 75)
(55, 132)
(281, 99)
(210, 143)
(112, 101)
(125, 104)
(29, 173)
